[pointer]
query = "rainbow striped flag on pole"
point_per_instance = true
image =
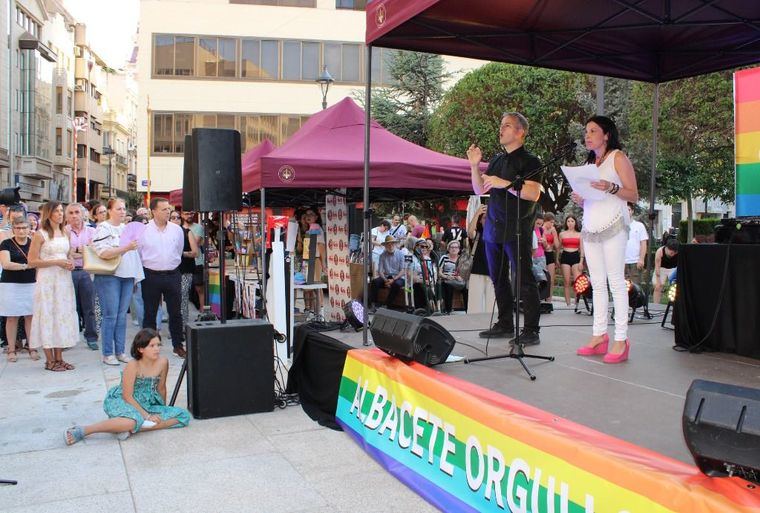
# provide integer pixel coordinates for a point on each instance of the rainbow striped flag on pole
(747, 124)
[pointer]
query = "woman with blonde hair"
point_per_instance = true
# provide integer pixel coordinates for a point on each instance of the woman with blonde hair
(55, 325)
(115, 291)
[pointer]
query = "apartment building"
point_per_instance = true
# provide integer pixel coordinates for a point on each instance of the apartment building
(5, 179)
(119, 133)
(250, 65)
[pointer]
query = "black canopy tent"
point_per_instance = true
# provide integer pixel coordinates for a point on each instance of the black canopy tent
(648, 40)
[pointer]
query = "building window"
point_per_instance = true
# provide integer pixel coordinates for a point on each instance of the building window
(59, 141)
(70, 103)
(212, 57)
(170, 128)
(184, 56)
(356, 5)
(59, 100)
(69, 142)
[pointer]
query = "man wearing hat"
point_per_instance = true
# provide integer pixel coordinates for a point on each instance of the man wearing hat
(390, 272)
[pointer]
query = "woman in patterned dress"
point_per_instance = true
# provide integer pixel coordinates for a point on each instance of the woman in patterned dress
(55, 324)
(138, 403)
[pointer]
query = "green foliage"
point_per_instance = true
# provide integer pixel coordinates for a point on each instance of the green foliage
(135, 200)
(695, 138)
(704, 229)
(556, 104)
(404, 108)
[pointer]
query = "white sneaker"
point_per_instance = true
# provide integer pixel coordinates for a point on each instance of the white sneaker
(110, 360)
(123, 357)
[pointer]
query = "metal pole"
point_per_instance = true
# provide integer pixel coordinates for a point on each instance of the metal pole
(652, 184)
(367, 210)
(263, 224)
(599, 95)
(11, 150)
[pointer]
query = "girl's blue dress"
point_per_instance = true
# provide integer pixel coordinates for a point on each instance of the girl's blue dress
(145, 393)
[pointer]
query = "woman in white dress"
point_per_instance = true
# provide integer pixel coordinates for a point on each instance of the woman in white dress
(54, 322)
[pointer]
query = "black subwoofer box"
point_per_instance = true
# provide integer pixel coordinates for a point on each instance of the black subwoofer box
(230, 368)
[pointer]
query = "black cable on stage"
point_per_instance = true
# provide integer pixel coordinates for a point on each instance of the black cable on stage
(697, 348)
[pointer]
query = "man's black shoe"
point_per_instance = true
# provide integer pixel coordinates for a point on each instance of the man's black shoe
(527, 338)
(497, 332)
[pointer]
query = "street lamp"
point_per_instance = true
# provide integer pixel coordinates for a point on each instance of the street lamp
(324, 81)
(107, 150)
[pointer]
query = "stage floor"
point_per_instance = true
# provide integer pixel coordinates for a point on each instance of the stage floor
(640, 401)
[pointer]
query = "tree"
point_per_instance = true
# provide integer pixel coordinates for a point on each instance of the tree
(695, 139)
(135, 200)
(556, 104)
(405, 105)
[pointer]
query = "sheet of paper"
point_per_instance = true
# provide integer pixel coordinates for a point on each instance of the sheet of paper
(580, 178)
(131, 232)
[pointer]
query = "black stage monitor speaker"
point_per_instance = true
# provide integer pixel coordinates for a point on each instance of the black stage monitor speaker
(721, 425)
(189, 185)
(230, 368)
(411, 337)
(216, 170)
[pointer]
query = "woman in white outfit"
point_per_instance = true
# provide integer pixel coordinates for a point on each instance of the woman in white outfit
(605, 234)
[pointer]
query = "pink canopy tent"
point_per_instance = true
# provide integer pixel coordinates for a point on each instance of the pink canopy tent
(328, 153)
(249, 160)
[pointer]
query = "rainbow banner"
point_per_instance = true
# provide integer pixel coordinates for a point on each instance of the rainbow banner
(465, 448)
(214, 292)
(747, 125)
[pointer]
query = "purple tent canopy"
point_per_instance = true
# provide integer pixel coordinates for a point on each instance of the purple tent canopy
(647, 40)
(328, 152)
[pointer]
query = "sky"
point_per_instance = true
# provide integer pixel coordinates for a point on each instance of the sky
(111, 26)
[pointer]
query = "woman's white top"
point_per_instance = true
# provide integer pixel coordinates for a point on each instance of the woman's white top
(109, 236)
(605, 218)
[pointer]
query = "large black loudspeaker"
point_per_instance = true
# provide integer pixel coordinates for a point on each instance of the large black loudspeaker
(230, 368)
(411, 337)
(721, 425)
(216, 177)
(189, 182)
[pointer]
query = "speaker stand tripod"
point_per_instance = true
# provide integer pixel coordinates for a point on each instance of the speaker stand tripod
(516, 349)
(207, 315)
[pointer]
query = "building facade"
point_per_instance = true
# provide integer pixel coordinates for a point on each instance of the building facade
(119, 133)
(248, 65)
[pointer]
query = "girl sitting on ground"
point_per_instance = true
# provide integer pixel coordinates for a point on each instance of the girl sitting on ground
(138, 403)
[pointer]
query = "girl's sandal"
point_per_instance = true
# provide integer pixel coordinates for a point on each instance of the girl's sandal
(53, 366)
(73, 435)
(11, 356)
(34, 355)
(65, 365)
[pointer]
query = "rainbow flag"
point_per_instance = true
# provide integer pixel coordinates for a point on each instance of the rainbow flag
(465, 448)
(214, 292)
(747, 125)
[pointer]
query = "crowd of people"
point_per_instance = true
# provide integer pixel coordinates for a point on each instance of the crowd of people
(147, 258)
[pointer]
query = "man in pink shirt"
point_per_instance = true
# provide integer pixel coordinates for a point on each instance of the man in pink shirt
(79, 236)
(160, 247)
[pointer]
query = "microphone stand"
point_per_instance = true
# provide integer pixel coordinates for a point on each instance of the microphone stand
(516, 348)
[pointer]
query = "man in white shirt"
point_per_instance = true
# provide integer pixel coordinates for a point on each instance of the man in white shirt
(397, 229)
(636, 249)
(160, 247)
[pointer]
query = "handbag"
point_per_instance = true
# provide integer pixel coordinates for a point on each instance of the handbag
(92, 263)
(464, 263)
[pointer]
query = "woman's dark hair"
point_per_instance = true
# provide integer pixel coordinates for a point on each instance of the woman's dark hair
(610, 130)
(141, 341)
(140, 219)
(672, 244)
(46, 224)
(577, 223)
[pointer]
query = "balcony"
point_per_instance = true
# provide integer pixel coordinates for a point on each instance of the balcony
(34, 168)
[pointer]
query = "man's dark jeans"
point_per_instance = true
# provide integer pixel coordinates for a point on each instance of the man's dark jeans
(168, 283)
(85, 294)
(500, 276)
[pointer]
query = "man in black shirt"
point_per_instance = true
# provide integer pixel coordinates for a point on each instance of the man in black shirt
(500, 230)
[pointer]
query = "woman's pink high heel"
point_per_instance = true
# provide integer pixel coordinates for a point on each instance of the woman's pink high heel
(600, 348)
(618, 358)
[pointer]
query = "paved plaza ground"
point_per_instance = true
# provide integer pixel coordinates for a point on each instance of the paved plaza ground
(284, 462)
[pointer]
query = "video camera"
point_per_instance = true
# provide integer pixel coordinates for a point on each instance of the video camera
(10, 196)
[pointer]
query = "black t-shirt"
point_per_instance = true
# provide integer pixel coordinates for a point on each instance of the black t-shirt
(18, 257)
(455, 233)
(502, 206)
(187, 264)
(479, 262)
